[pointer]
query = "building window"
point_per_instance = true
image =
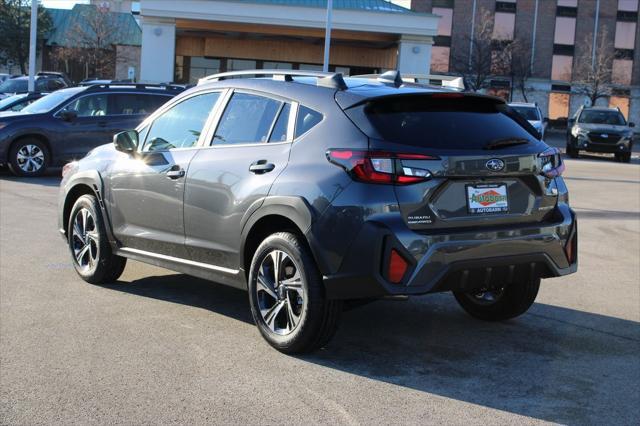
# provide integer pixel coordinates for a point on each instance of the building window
(628, 5)
(558, 105)
(620, 102)
(561, 67)
(621, 71)
(568, 3)
(440, 59)
(240, 65)
(503, 26)
(565, 32)
(277, 65)
(625, 35)
(445, 23)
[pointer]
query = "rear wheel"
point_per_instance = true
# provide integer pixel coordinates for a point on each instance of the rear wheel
(499, 303)
(28, 157)
(89, 246)
(287, 298)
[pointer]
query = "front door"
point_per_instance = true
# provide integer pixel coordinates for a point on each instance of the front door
(248, 150)
(146, 191)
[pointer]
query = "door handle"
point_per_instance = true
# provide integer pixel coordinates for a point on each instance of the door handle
(175, 172)
(261, 166)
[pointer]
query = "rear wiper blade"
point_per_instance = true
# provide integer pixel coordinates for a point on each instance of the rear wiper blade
(501, 143)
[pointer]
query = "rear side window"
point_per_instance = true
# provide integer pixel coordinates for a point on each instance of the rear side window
(459, 122)
(306, 120)
(247, 119)
(529, 113)
(136, 103)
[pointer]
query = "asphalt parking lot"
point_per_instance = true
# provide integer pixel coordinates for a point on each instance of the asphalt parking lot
(160, 347)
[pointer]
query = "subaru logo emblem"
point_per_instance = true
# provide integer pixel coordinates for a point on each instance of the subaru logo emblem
(495, 165)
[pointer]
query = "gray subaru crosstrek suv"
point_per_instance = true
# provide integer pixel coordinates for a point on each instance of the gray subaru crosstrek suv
(310, 189)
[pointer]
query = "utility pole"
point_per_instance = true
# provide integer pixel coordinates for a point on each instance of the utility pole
(595, 36)
(327, 36)
(473, 28)
(32, 45)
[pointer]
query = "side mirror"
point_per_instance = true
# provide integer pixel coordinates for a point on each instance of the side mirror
(545, 120)
(632, 124)
(126, 142)
(571, 122)
(68, 115)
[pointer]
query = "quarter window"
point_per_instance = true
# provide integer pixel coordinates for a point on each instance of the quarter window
(181, 125)
(307, 119)
(247, 119)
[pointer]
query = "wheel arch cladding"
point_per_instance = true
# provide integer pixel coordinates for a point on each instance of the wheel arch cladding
(74, 193)
(83, 183)
(276, 214)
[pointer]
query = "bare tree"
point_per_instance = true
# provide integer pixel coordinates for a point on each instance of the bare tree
(14, 31)
(488, 57)
(593, 69)
(90, 42)
(520, 67)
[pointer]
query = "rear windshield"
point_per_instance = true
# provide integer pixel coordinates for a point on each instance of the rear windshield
(462, 122)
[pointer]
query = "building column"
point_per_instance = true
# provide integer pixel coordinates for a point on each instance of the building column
(157, 59)
(414, 55)
(634, 109)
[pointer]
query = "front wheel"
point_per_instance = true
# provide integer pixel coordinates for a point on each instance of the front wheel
(89, 246)
(287, 297)
(499, 303)
(28, 157)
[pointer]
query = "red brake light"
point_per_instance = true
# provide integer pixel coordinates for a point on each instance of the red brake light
(379, 166)
(397, 267)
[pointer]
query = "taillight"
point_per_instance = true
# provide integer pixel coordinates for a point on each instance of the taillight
(551, 163)
(380, 167)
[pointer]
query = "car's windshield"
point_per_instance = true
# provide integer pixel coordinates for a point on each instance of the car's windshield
(529, 113)
(49, 102)
(613, 118)
(11, 99)
(13, 86)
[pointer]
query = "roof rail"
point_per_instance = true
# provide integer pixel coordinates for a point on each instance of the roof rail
(166, 86)
(324, 79)
(448, 81)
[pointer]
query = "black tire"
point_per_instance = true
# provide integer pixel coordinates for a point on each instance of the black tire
(512, 301)
(98, 265)
(317, 317)
(572, 152)
(624, 157)
(35, 162)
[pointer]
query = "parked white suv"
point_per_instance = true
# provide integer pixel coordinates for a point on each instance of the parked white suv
(532, 114)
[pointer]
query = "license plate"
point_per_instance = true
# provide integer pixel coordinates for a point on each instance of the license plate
(487, 198)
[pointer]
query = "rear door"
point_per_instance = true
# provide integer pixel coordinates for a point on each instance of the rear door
(247, 150)
(484, 160)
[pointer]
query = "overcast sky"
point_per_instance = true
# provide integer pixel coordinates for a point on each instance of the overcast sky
(61, 4)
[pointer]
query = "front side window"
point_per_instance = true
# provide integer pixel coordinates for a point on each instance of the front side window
(181, 125)
(89, 106)
(247, 119)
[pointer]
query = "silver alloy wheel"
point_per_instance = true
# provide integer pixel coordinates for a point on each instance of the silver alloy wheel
(85, 239)
(280, 293)
(30, 158)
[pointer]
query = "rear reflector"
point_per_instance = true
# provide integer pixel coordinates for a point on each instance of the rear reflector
(397, 267)
(380, 167)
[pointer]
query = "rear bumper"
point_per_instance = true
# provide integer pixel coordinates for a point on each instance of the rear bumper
(459, 261)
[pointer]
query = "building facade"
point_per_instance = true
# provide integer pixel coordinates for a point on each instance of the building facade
(184, 41)
(559, 35)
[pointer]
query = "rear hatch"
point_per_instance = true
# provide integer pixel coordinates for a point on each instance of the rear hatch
(481, 158)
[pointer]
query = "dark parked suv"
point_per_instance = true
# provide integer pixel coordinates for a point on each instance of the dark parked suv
(600, 129)
(308, 189)
(68, 123)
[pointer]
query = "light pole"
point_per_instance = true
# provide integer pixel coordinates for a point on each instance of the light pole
(32, 45)
(327, 37)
